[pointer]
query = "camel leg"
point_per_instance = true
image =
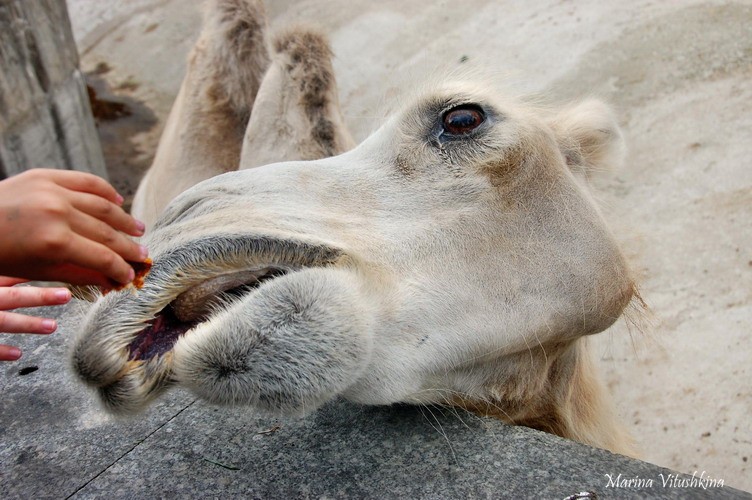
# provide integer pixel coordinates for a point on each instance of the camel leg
(296, 115)
(204, 132)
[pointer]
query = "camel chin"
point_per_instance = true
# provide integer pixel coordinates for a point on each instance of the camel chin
(455, 256)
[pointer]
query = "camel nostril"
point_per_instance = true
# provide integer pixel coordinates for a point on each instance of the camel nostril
(463, 119)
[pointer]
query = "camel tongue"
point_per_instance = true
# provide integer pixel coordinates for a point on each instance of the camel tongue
(158, 337)
(197, 302)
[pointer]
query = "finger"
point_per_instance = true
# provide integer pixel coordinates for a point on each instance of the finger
(31, 296)
(82, 252)
(86, 183)
(76, 275)
(20, 323)
(8, 281)
(9, 353)
(108, 212)
(96, 230)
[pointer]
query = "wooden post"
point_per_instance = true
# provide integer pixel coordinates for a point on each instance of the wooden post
(45, 117)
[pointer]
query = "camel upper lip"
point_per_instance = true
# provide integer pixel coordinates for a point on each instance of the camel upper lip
(204, 258)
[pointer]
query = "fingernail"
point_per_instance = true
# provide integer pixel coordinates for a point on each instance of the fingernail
(14, 353)
(49, 324)
(140, 226)
(62, 295)
(143, 252)
(131, 275)
(119, 200)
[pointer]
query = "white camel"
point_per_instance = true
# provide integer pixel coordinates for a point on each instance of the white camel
(454, 257)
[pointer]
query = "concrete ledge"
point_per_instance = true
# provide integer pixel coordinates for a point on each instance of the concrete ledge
(56, 443)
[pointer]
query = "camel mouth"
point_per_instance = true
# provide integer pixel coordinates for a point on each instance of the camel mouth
(207, 275)
(197, 305)
(188, 286)
(159, 337)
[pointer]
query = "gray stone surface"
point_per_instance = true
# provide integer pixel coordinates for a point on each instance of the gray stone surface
(56, 443)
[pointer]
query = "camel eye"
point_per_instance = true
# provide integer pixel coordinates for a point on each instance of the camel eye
(463, 119)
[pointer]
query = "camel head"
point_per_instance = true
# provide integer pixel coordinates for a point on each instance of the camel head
(454, 257)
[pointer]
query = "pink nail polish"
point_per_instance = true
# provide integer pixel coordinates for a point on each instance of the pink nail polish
(140, 226)
(119, 199)
(49, 325)
(14, 353)
(143, 252)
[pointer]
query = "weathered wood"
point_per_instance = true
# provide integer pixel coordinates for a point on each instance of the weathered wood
(45, 117)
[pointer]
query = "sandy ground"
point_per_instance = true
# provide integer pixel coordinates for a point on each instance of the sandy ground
(680, 76)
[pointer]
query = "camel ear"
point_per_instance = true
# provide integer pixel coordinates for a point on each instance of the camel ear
(589, 137)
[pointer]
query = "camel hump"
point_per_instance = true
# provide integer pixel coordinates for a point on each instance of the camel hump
(296, 115)
(233, 51)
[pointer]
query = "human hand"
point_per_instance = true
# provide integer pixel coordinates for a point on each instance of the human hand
(12, 297)
(61, 225)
